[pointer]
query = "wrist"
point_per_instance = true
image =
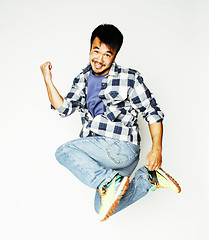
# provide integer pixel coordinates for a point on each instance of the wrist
(157, 148)
(157, 143)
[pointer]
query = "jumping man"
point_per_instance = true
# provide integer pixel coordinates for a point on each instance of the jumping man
(109, 99)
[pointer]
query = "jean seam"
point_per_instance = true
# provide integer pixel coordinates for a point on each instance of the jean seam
(109, 154)
(116, 143)
(132, 149)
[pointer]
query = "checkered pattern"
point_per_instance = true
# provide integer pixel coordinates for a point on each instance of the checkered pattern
(124, 95)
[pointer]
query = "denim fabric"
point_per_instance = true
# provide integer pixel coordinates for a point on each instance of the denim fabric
(96, 160)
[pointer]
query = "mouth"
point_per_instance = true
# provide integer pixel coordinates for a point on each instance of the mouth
(97, 65)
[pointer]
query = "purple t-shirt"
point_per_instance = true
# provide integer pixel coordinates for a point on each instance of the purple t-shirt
(94, 102)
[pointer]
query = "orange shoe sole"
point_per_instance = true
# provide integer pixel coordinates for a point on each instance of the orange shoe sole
(116, 202)
(172, 180)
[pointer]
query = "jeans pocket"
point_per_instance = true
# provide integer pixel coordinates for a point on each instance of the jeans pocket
(122, 152)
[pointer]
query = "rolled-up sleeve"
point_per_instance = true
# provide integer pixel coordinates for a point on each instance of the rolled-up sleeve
(144, 102)
(71, 101)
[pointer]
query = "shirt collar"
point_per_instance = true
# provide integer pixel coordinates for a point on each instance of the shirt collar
(87, 68)
(113, 70)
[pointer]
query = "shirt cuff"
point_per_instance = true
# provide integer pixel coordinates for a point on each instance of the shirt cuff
(62, 109)
(155, 118)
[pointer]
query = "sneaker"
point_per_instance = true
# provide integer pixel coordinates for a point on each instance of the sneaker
(161, 179)
(111, 195)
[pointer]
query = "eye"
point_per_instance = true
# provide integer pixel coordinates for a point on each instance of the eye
(107, 55)
(96, 51)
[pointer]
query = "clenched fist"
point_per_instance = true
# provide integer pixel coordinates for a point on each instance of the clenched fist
(46, 71)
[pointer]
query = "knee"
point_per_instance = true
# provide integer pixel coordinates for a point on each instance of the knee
(65, 152)
(60, 154)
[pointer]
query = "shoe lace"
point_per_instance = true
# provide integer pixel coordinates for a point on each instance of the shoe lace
(156, 184)
(104, 188)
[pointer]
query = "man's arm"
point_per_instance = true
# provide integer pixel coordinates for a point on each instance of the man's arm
(54, 97)
(154, 157)
(142, 98)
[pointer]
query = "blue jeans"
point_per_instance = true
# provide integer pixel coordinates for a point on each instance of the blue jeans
(96, 160)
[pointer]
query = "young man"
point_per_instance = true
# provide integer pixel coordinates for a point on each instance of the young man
(109, 99)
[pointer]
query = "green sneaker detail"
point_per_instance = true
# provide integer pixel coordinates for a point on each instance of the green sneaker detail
(161, 179)
(111, 195)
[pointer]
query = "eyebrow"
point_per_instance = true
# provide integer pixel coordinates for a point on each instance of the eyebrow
(107, 51)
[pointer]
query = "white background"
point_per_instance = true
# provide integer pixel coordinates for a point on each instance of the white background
(167, 41)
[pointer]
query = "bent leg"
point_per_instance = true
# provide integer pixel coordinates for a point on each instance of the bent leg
(138, 188)
(77, 158)
(96, 160)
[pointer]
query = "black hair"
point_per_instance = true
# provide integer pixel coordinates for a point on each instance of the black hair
(109, 35)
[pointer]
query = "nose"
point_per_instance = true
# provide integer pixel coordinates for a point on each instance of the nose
(100, 58)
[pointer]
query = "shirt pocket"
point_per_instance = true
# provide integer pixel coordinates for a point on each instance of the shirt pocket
(115, 104)
(116, 97)
(122, 153)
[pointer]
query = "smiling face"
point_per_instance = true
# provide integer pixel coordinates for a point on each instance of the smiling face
(101, 57)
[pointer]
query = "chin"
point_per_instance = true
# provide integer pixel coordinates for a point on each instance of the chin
(98, 71)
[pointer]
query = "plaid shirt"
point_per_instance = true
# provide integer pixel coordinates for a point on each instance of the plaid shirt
(124, 95)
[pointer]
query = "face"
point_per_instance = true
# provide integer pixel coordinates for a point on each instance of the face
(101, 57)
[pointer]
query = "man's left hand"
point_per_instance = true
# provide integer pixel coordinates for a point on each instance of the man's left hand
(154, 160)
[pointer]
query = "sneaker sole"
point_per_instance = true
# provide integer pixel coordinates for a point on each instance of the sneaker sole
(171, 179)
(121, 191)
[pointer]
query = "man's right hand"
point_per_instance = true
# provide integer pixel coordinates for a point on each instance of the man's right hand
(46, 71)
(54, 97)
